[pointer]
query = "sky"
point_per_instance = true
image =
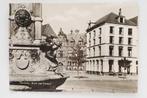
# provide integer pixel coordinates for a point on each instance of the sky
(72, 16)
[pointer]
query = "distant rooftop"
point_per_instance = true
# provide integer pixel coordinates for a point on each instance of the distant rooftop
(135, 20)
(110, 18)
(61, 33)
(48, 31)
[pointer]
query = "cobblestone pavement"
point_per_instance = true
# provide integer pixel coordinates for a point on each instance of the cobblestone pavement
(84, 76)
(96, 83)
(84, 82)
(112, 86)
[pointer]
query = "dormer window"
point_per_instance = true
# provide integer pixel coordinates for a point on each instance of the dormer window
(121, 18)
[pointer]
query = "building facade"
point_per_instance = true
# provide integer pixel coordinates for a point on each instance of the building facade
(109, 40)
(77, 49)
(62, 53)
(67, 52)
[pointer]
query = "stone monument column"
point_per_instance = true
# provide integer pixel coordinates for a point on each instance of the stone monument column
(38, 24)
(37, 13)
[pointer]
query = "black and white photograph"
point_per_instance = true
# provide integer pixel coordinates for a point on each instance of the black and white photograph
(73, 47)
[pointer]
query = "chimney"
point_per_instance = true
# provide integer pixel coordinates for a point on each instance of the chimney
(71, 31)
(89, 23)
(120, 12)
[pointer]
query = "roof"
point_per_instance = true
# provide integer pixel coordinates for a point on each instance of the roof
(61, 33)
(48, 31)
(110, 18)
(74, 36)
(135, 20)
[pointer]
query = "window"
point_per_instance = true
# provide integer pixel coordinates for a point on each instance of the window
(101, 62)
(94, 34)
(93, 51)
(89, 43)
(99, 40)
(111, 29)
(70, 63)
(110, 65)
(120, 30)
(110, 50)
(136, 62)
(121, 19)
(94, 41)
(111, 39)
(120, 50)
(136, 69)
(89, 35)
(94, 31)
(90, 62)
(101, 70)
(129, 41)
(61, 53)
(130, 31)
(89, 52)
(97, 61)
(93, 62)
(99, 50)
(100, 29)
(120, 40)
(129, 51)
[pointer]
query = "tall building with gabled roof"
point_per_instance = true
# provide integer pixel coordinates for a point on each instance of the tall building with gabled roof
(110, 40)
(69, 45)
(62, 52)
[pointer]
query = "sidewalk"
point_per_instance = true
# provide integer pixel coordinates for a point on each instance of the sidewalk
(84, 76)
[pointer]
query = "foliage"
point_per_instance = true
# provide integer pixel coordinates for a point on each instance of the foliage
(124, 63)
(78, 56)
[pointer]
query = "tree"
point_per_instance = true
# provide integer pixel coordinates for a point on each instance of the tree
(78, 56)
(125, 64)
